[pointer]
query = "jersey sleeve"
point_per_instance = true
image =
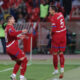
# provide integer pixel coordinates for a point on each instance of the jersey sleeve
(13, 32)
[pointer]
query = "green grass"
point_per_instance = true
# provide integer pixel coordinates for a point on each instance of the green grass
(39, 70)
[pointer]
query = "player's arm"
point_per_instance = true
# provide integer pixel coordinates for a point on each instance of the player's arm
(15, 33)
(22, 35)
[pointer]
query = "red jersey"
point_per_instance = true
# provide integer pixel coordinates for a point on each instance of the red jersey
(12, 47)
(58, 23)
(58, 42)
(11, 34)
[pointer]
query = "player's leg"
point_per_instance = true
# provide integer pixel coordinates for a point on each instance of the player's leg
(62, 60)
(54, 48)
(22, 57)
(21, 60)
(61, 55)
(16, 67)
(15, 70)
(55, 63)
(17, 55)
(23, 68)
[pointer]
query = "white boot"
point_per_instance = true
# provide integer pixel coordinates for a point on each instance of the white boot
(55, 72)
(62, 70)
(13, 77)
(22, 77)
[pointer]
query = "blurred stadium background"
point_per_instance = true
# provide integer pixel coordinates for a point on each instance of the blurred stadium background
(34, 16)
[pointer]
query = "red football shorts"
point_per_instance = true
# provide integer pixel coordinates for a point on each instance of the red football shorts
(15, 52)
(58, 43)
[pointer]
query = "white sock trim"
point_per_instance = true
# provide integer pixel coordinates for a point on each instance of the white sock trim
(62, 69)
(14, 75)
(21, 76)
(56, 70)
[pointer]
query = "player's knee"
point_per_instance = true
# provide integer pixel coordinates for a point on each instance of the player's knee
(19, 62)
(55, 53)
(60, 52)
(21, 59)
(25, 60)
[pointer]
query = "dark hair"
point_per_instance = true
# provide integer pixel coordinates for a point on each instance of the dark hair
(7, 19)
(54, 8)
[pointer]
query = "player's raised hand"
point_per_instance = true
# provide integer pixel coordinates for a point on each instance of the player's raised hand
(25, 31)
(22, 36)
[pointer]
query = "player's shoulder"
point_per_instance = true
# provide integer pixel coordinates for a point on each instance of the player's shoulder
(59, 15)
(9, 26)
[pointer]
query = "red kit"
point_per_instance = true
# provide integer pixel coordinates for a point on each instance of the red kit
(12, 43)
(58, 33)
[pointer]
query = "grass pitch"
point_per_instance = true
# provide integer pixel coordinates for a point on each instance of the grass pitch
(39, 70)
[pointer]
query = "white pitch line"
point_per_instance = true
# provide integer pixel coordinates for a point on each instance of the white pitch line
(8, 69)
(6, 63)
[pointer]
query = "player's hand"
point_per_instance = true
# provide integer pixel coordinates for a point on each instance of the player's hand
(25, 31)
(22, 37)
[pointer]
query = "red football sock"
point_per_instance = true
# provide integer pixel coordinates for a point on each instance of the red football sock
(16, 67)
(62, 60)
(55, 61)
(23, 66)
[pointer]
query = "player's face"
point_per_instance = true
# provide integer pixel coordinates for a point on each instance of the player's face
(51, 11)
(12, 20)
